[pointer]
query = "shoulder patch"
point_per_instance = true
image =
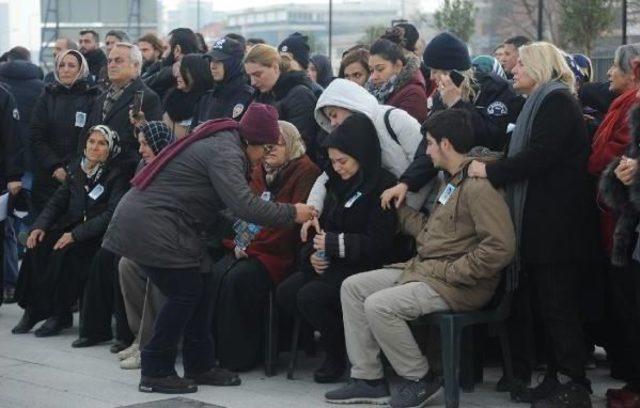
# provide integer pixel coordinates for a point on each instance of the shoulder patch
(16, 114)
(237, 110)
(497, 108)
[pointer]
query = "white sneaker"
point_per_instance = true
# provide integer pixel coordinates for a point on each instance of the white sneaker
(128, 352)
(131, 363)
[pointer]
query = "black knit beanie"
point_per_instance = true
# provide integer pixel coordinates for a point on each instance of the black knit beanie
(297, 45)
(447, 52)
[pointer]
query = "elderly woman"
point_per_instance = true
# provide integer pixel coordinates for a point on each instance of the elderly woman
(355, 234)
(56, 122)
(67, 234)
(613, 134)
(262, 261)
(545, 175)
(100, 300)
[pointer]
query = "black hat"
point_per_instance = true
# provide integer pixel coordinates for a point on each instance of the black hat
(297, 45)
(225, 48)
(447, 52)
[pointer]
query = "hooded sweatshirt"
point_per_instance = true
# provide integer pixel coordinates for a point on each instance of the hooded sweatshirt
(396, 155)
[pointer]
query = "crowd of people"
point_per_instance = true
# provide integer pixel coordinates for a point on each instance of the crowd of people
(176, 186)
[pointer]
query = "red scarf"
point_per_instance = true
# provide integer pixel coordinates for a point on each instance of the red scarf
(613, 135)
(151, 170)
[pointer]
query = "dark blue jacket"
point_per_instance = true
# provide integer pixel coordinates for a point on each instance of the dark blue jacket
(225, 100)
(25, 83)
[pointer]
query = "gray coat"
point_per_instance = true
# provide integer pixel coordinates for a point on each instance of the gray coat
(163, 225)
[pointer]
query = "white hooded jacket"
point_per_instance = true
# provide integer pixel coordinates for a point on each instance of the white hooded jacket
(396, 155)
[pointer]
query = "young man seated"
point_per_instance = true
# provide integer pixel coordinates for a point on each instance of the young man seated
(461, 249)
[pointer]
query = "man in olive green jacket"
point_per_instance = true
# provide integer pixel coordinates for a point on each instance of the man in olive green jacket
(461, 250)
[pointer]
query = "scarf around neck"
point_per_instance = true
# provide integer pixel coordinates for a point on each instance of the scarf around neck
(520, 139)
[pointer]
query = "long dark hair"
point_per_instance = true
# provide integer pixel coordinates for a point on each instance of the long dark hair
(195, 71)
(389, 47)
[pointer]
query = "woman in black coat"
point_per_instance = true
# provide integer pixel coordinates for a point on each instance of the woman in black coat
(67, 234)
(231, 94)
(193, 79)
(354, 234)
(291, 92)
(548, 189)
(57, 120)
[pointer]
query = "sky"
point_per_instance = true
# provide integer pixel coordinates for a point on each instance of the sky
(225, 5)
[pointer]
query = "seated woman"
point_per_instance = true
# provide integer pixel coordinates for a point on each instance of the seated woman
(357, 234)
(67, 234)
(102, 295)
(264, 260)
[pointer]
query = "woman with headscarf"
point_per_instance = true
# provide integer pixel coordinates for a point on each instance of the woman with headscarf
(260, 262)
(320, 70)
(67, 233)
(355, 234)
(100, 301)
(231, 94)
(193, 79)
(56, 122)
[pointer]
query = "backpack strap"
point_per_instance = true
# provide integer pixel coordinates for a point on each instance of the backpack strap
(387, 123)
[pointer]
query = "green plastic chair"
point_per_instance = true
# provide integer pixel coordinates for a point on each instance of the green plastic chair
(451, 326)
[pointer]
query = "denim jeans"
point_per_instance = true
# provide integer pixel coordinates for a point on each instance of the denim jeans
(187, 313)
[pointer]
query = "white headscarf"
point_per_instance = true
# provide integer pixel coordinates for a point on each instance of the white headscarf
(84, 67)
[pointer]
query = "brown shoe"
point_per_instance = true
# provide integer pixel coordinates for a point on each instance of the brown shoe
(215, 376)
(172, 384)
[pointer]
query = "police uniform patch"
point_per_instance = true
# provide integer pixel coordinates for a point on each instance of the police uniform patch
(237, 110)
(497, 108)
(16, 114)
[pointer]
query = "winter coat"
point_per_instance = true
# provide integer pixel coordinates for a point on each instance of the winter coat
(96, 60)
(57, 121)
(398, 150)
(610, 141)
(276, 248)
(226, 100)
(118, 118)
(410, 93)
(490, 113)
(558, 222)
(72, 208)
(293, 96)
(8, 144)
(25, 83)
(162, 225)
(624, 201)
(463, 245)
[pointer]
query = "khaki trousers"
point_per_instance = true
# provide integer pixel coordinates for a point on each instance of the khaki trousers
(375, 311)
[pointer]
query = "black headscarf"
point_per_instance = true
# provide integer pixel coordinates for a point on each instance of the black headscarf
(357, 137)
(324, 69)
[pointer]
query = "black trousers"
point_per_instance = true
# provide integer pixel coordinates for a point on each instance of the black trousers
(242, 289)
(103, 298)
(51, 281)
(626, 286)
(556, 301)
(187, 313)
(318, 302)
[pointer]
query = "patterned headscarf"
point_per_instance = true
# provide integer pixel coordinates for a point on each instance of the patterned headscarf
(157, 134)
(113, 142)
